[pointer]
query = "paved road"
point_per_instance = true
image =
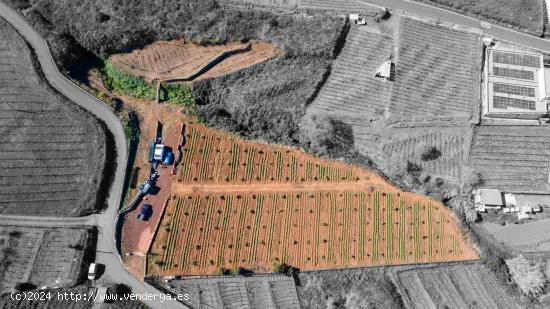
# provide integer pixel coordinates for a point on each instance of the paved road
(457, 18)
(107, 253)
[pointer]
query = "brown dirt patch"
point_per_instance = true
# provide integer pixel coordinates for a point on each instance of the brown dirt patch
(178, 59)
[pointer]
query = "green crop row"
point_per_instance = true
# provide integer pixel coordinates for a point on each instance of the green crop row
(376, 225)
(362, 226)
(223, 234)
(273, 212)
(389, 227)
(184, 258)
(238, 236)
(402, 227)
(255, 228)
(172, 236)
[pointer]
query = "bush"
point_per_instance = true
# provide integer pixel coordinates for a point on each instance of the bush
(283, 268)
(121, 289)
(430, 154)
(178, 93)
(117, 81)
(236, 271)
(25, 286)
(527, 274)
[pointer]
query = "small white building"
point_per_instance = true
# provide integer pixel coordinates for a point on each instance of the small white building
(488, 199)
(356, 19)
(384, 71)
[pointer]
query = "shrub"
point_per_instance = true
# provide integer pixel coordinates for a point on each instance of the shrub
(430, 153)
(236, 271)
(283, 268)
(178, 93)
(121, 289)
(527, 275)
(116, 80)
(25, 286)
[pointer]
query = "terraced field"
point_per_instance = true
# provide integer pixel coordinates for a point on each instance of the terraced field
(179, 59)
(202, 233)
(43, 257)
(51, 152)
(337, 6)
(213, 156)
(512, 158)
(274, 291)
(437, 73)
(448, 162)
(351, 88)
(469, 285)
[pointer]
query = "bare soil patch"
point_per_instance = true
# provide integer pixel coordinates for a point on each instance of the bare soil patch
(178, 59)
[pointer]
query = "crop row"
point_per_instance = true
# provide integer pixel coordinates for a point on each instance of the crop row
(202, 233)
(211, 156)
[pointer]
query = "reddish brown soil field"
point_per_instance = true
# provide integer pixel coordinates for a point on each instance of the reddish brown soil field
(177, 59)
(202, 233)
(213, 156)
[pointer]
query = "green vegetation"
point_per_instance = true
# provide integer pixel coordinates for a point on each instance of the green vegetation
(118, 81)
(177, 93)
(212, 41)
(283, 268)
(132, 133)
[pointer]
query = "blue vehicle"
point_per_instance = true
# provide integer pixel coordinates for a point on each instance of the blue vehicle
(168, 158)
(145, 212)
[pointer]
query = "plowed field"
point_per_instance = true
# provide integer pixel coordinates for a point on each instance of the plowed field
(213, 156)
(243, 204)
(178, 59)
(310, 230)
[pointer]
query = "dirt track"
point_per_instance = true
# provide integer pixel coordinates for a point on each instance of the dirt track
(362, 185)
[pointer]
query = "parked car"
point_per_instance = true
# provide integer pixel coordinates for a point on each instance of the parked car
(92, 271)
(145, 212)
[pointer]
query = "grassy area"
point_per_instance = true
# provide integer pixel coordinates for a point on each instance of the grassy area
(526, 14)
(118, 81)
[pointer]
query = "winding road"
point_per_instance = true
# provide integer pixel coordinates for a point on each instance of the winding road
(106, 249)
(445, 15)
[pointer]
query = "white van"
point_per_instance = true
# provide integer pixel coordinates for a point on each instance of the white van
(92, 271)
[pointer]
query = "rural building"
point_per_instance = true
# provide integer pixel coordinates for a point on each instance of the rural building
(488, 199)
(384, 71)
(515, 83)
(356, 19)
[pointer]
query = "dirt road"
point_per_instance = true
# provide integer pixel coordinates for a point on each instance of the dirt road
(360, 186)
(107, 253)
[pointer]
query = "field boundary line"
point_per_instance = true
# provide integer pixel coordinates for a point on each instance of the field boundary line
(32, 260)
(154, 234)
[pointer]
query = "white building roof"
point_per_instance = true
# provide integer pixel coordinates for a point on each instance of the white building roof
(384, 70)
(490, 197)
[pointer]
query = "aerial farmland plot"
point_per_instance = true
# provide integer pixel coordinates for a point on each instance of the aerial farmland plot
(512, 158)
(52, 153)
(178, 59)
(466, 285)
(41, 256)
(264, 291)
(434, 86)
(238, 203)
(307, 230)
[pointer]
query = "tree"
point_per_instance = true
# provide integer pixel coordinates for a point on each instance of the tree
(121, 289)
(430, 154)
(283, 268)
(527, 275)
